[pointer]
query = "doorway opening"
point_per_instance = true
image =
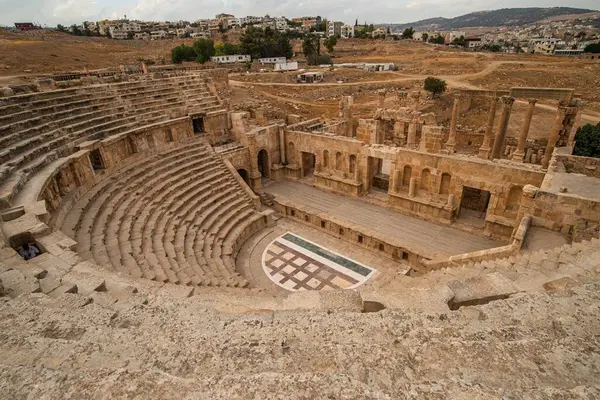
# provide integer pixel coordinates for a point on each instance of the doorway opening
(263, 164)
(308, 164)
(198, 124)
(96, 160)
(244, 174)
(379, 174)
(474, 204)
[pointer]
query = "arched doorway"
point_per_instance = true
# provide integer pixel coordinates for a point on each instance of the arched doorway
(263, 164)
(244, 174)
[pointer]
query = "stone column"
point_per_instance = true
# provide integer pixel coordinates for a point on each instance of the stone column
(412, 187)
(576, 126)
(485, 149)
(556, 127)
(416, 96)
(412, 134)
(381, 95)
(451, 143)
(144, 68)
(282, 147)
(392, 185)
(255, 175)
(397, 178)
(402, 99)
(520, 152)
(507, 103)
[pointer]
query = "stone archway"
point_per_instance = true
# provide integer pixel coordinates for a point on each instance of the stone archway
(263, 164)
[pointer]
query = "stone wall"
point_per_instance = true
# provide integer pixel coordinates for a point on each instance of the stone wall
(589, 166)
(358, 235)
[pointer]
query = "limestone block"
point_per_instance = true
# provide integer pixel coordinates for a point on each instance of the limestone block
(480, 290)
(330, 301)
(87, 283)
(563, 284)
(6, 91)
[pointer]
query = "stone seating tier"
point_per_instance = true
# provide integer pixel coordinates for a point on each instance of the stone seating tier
(58, 115)
(36, 100)
(53, 116)
(166, 219)
(107, 111)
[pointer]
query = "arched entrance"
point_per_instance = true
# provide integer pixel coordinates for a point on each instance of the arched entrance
(263, 164)
(244, 174)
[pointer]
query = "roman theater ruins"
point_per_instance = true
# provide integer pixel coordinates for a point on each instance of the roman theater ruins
(159, 243)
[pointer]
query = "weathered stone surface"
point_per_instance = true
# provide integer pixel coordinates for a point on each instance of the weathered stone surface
(480, 290)
(183, 349)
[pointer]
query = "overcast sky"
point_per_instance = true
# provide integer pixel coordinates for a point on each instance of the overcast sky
(66, 12)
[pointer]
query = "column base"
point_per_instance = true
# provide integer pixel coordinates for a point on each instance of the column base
(484, 153)
(518, 156)
(450, 147)
(256, 182)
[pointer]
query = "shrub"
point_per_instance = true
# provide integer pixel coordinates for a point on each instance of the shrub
(205, 49)
(587, 141)
(435, 86)
(183, 53)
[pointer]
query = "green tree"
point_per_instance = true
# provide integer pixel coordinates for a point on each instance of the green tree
(587, 141)
(330, 43)
(205, 49)
(226, 49)
(439, 39)
(435, 86)
(75, 30)
(494, 48)
(311, 47)
(459, 41)
(408, 33)
(266, 42)
(592, 48)
(424, 37)
(356, 22)
(183, 53)
(60, 28)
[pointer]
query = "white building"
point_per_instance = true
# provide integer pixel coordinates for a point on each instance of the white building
(450, 36)
(347, 31)
(155, 35)
(281, 24)
(288, 66)
(237, 58)
(272, 60)
(201, 34)
(118, 34)
(334, 28)
(141, 36)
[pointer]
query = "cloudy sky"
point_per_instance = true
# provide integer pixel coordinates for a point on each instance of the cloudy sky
(66, 12)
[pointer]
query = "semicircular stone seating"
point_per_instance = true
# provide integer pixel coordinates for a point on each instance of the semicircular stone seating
(175, 215)
(170, 218)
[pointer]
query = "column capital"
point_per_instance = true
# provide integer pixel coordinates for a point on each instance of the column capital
(532, 101)
(507, 101)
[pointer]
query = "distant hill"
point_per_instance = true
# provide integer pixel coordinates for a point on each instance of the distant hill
(502, 17)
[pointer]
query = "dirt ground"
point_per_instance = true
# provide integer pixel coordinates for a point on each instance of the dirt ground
(45, 51)
(41, 52)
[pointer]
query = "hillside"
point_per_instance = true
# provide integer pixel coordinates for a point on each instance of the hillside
(502, 17)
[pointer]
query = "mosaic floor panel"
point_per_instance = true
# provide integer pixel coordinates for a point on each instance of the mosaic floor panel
(295, 263)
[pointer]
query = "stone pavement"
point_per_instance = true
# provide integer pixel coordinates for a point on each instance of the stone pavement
(427, 237)
(249, 260)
